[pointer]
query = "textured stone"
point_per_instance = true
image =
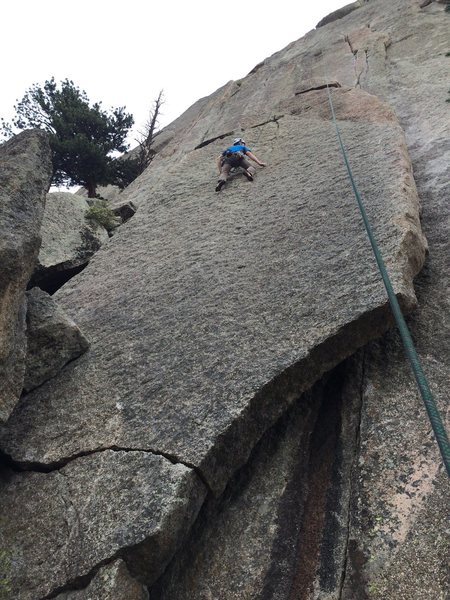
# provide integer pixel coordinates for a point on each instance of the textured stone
(280, 526)
(398, 533)
(207, 312)
(113, 582)
(53, 339)
(74, 519)
(69, 240)
(229, 312)
(25, 170)
(340, 13)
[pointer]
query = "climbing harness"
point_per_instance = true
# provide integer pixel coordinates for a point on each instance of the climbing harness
(408, 344)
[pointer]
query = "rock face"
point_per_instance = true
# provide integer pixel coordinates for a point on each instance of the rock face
(211, 315)
(69, 240)
(25, 170)
(247, 333)
(82, 515)
(113, 582)
(341, 12)
(269, 535)
(53, 339)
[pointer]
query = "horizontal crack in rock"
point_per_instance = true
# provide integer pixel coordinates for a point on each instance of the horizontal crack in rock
(210, 141)
(37, 467)
(333, 84)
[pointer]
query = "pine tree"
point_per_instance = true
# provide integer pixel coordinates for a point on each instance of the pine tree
(82, 137)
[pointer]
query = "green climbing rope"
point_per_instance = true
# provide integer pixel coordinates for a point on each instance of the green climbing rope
(427, 397)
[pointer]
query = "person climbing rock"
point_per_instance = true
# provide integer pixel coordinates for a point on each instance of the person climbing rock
(236, 156)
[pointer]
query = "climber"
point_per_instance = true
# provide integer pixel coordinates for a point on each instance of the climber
(236, 156)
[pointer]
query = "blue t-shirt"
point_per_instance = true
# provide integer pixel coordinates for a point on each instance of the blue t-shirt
(238, 148)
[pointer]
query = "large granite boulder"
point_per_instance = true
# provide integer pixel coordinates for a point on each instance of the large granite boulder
(25, 171)
(69, 240)
(53, 339)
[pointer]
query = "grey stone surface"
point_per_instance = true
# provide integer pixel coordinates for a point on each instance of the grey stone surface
(62, 525)
(341, 12)
(209, 314)
(398, 534)
(69, 239)
(280, 526)
(229, 314)
(25, 170)
(112, 582)
(398, 544)
(52, 339)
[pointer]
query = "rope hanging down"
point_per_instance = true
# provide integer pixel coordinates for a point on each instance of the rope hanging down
(427, 397)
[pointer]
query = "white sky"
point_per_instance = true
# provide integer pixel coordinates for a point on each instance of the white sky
(124, 52)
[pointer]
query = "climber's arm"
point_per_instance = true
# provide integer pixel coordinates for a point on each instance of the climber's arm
(255, 159)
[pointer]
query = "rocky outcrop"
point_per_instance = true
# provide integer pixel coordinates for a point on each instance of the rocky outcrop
(113, 582)
(25, 170)
(216, 289)
(340, 13)
(69, 240)
(223, 310)
(53, 339)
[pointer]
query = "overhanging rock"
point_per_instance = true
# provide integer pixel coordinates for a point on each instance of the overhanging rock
(223, 309)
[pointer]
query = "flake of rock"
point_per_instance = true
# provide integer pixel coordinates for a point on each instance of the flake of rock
(112, 582)
(25, 171)
(53, 339)
(73, 520)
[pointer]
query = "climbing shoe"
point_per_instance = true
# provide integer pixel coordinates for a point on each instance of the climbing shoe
(248, 175)
(220, 185)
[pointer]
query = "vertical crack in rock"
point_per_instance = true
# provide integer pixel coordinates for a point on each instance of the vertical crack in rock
(361, 363)
(324, 533)
(325, 451)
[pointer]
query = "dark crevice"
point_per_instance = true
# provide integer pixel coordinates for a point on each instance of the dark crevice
(354, 52)
(333, 84)
(310, 546)
(50, 280)
(36, 467)
(325, 452)
(273, 119)
(214, 139)
(83, 581)
(352, 473)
